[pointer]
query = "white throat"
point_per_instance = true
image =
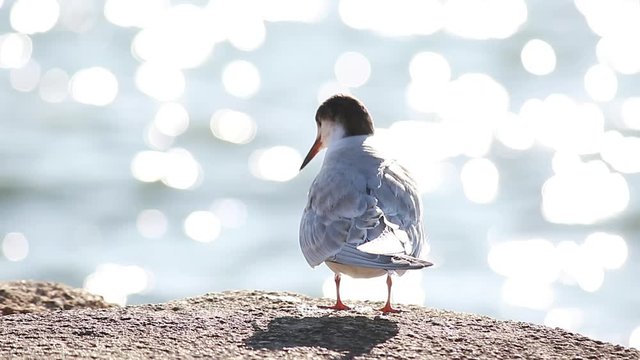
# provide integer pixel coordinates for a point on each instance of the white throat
(330, 132)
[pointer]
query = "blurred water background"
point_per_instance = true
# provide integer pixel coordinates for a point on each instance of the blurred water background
(149, 150)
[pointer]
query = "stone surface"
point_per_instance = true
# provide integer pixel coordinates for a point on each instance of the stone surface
(257, 325)
(33, 296)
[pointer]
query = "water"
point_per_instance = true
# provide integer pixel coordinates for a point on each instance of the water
(66, 182)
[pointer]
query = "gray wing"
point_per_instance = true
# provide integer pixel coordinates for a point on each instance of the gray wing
(370, 220)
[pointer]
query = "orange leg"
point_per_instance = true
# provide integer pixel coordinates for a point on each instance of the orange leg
(387, 307)
(339, 305)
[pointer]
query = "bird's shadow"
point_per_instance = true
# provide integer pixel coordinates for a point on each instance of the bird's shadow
(349, 335)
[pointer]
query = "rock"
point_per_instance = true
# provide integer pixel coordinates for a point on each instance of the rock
(255, 324)
(35, 296)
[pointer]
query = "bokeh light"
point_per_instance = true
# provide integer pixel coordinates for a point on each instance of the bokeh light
(26, 78)
(538, 57)
(171, 119)
(241, 79)
(634, 338)
(621, 152)
(631, 113)
(563, 124)
(53, 85)
(182, 170)
(134, 13)
(231, 212)
(393, 18)
(15, 246)
(277, 163)
(484, 19)
(430, 73)
(352, 69)
(152, 223)
(480, 179)
(34, 16)
(148, 166)
(160, 82)
(601, 83)
(15, 50)
(202, 226)
(569, 319)
(233, 126)
(116, 282)
(583, 193)
(176, 38)
(94, 86)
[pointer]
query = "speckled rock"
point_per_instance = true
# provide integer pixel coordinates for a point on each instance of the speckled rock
(258, 325)
(34, 296)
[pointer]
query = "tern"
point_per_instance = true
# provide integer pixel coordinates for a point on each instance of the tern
(364, 214)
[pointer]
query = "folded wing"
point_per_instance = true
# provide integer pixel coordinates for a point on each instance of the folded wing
(364, 219)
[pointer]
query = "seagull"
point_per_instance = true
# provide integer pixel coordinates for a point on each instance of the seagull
(364, 214)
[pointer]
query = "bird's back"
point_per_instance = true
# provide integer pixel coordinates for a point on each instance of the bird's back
(364, 209)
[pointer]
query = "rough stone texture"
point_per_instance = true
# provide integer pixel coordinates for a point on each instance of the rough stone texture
(32, 296)
(256, 325)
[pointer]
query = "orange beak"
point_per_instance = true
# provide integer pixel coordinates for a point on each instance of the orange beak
(317, 145)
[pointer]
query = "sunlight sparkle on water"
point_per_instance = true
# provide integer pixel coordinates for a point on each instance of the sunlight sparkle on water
(202, 226)
(631, 113)
(231, 212)
(94, 86)
(562, 124)
(620, 52)
(34, 16)
(480, 179)
(160, 82)
(15, 246)
(172, 119)
(278, 163)
(608, 250)
(474, 99)
(634, 338)
(621, 152)
(246, 32)
(157, 140)
(521, 259)
(116, 282)
(329, 89)
(538, 57)
(233, 126)
(15, 50)
(177, 39)
(352, 69)
(393, 18)
(569, 319)
(430, 73)
(527, 294)
(515, 132)
(53, 85)
(407, 289)
(584, 194)
(152, 223)
(241, 79)
(484, 19)
(149, 166)
(25, 78)
(601, 83)
(134, 13)
(182, 170)
(309, 11)
(430, 67)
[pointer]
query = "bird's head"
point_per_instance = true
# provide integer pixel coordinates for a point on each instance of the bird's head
(338, 117)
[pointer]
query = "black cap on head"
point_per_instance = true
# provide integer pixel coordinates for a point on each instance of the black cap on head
(348, 111)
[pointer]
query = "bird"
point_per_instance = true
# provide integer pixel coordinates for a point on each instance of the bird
(363, 216)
